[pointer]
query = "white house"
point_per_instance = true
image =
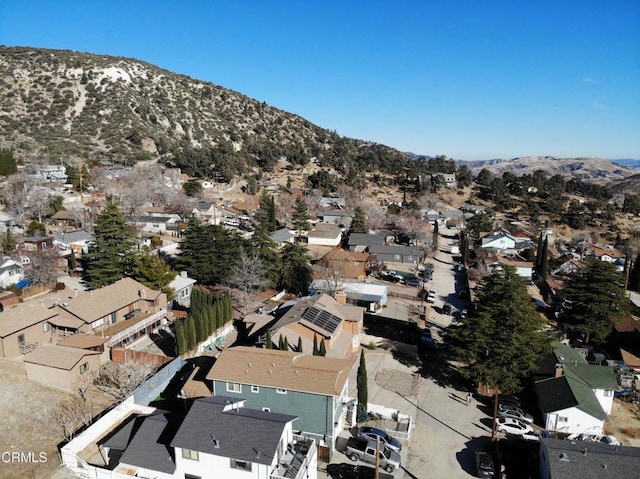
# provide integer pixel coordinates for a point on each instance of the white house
(506, 243)
(221, 438)
(325, 234)
(574, 396)
(11, 272)
(182, 286)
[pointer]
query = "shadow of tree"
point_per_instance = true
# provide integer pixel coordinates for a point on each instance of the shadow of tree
(466, 457)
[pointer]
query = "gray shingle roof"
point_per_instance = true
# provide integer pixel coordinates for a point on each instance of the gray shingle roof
(243, 434)
(568, 460)
(365, 239)
(146, 443)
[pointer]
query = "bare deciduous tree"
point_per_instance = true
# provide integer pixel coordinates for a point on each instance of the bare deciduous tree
(121, 380)
(332, 274)
(44, 267)
(248, 276)
(66, 417)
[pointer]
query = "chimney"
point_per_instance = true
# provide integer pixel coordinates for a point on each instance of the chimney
(341, 297)
(142, 293)
(559, 371)
(183, 274)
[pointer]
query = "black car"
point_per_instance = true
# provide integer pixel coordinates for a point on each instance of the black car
(484, 464)
(354, 471)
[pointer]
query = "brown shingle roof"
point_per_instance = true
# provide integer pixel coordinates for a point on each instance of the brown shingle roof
(23, 316)
(282, 369)
(99, 303)
(59, 357)
(83, 341)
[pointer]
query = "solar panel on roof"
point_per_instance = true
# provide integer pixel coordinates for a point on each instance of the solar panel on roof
(321, 319)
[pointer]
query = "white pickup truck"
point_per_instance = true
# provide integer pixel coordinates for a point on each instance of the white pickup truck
(365, 450)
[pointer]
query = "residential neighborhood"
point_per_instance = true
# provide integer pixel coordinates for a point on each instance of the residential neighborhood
(236, 335)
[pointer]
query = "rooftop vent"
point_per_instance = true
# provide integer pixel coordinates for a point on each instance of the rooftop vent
(564, 457)
(216, 443)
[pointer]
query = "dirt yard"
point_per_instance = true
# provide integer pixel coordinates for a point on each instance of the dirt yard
(624, 423)
(26, 429)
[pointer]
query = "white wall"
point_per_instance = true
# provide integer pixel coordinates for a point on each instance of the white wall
(577, 422)
(605, 402)
(207, 463)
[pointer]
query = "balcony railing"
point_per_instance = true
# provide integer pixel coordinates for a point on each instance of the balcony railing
(27, 348)
(141, 324)
(300, 454)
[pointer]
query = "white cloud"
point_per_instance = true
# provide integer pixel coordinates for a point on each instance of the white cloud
(599, 103)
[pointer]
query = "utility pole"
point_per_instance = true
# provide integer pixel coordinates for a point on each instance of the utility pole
(377, 457)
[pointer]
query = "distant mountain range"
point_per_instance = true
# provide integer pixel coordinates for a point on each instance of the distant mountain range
(628, 162)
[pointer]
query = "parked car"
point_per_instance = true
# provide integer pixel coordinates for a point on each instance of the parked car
(507, 425)
(514, 412)
(431, 297)
(416, 282)
(507, 399)
(385, 439)
(484, 464)
(391, 275)
(362, 449)
(426, 333)
(354, 471)
(446, 309)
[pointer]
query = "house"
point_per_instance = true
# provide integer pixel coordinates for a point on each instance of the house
(325, 234)
(320, 318)
(155, 224)
(337, 217)
(217, 437)
(123, 311)
(76, 242)
(205, 211)
(6, 220)
(219, 434)
(627, 331)
(67, 219)
(505, 243)
(449, 179)
(370, 296)
(282, 236)
(61, 367)
(605, 253)
(23, 328)
(361, 241)
(182, 287)
(396, 253)
(311, 387)
(561, 459)
(35, 243)
(573, 395)
(350, 264)
(11, 272)
(523, 268)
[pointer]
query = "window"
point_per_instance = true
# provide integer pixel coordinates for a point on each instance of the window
(281, 391)
(234, 388)
(21, 340)
(608, 393)
(255, 389)
(242, 465)
(189, 454)
(84, 367)
(46, 327)
(114, 318)
(266, 409)
(191, 476)
(97, 323)
(563, 419)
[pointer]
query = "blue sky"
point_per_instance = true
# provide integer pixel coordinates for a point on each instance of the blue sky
(468, 79)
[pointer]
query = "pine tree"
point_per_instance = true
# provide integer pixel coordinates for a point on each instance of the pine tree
(152, 271)
(296, 269)
(503, 339)
(363, 389)
(265, 215)
(181, 338)
(300, 217)
(8, 242)
(544, 262)
(539, 253)
(359, 223)
(634, 274)
(299, 348)
(111, 253)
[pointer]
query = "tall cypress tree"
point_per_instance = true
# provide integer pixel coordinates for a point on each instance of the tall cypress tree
(363, 389)
(544, 263)
(300, 217)
(299, 348)
(634, 274)
(269, 341)
(322, 350)
(281, 342)
(190, 333)
(181, 338)
(285, 345)
(315, 345)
